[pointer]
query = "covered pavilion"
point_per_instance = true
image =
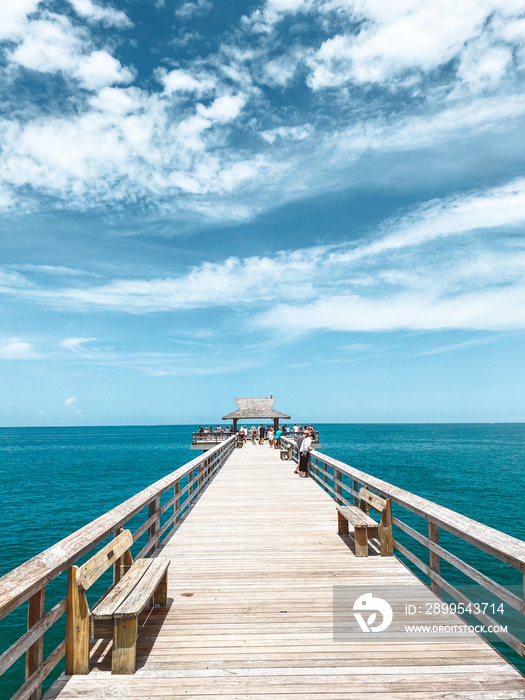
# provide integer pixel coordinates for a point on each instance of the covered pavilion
(260, 409)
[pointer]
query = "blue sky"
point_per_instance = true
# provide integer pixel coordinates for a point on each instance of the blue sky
(323, 201)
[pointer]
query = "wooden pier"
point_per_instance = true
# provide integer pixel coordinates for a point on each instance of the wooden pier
(250, 590)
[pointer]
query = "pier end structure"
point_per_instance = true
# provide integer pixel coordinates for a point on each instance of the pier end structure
(255, 409)
(249, 409)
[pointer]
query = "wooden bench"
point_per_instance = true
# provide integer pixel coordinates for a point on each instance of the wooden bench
(287, 452)
(136, 585)
(366, 527)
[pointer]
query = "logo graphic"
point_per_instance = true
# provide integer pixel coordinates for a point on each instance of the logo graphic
(367, 603)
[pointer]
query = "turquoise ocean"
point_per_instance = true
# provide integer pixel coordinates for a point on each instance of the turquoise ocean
(54, 480)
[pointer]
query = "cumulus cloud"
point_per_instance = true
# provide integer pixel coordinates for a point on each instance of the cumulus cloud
(15, 349)
(51, 44)
(71, 406)
(188, 10)
(178, 80)
(14, 18)
(109, 16)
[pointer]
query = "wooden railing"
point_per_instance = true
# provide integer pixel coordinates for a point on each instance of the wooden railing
(211, 437)
(28, 582)
(342, 482)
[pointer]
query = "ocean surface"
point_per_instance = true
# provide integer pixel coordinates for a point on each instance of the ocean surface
(54, 480)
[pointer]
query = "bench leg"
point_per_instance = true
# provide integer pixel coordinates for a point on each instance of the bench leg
(160, 597)
(342, 524)
(124, 655)
(361, 541)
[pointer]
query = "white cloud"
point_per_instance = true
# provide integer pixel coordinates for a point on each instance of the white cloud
(71, 406)
(294, 133)
(108, 16)
(51, 44)
(408, 36)
(181, 81)
(52, 270)
(188, 10)
(483, 65)
(223, 109)
(76, 344)
(15, 349)
(500, 206)
(185, 147)
(386, 42)
(14, 17)
(454, 263)
(99, 69)
(496, 309)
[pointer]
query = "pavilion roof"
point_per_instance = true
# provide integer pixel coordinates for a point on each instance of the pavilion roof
(259, 408)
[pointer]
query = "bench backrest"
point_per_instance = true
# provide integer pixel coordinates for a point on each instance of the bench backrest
(93, 568)
(378, 503)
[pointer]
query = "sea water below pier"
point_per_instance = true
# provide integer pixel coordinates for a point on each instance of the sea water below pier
(54, 480)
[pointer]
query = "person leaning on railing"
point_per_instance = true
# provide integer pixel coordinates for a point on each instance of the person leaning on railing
(304, 448)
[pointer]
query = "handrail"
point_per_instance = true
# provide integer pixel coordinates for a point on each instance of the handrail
(213, 437)
(506, 548)
(29, 580)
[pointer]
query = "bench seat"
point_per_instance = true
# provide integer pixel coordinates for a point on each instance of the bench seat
(356, 516)
(366, 527)
(133, 592)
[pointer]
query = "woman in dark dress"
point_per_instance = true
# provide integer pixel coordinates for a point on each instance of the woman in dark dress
(304, 449)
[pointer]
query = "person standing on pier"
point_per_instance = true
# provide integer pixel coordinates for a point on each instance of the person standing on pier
(304, 450)
(262, 433)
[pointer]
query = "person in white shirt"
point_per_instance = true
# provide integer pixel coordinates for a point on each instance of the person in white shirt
(304, 450)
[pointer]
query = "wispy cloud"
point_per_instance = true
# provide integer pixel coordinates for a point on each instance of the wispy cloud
(457, 346)
(77, 344)
(451, 263)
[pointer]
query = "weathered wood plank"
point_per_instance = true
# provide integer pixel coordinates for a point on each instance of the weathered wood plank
(375, 501)
(107, 606)
(356, 516)
(139, 598)
(100, 562)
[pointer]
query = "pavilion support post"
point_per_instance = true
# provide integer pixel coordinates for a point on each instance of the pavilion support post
(276, 424)
(235, 425)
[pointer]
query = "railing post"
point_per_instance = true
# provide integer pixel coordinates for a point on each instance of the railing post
(154, 509)
(337, 487)
(434, 561)
(354, 486)
(176, 503)
(190, 491)
(35, 653)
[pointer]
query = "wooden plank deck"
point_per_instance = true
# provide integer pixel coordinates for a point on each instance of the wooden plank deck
(250, 586)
